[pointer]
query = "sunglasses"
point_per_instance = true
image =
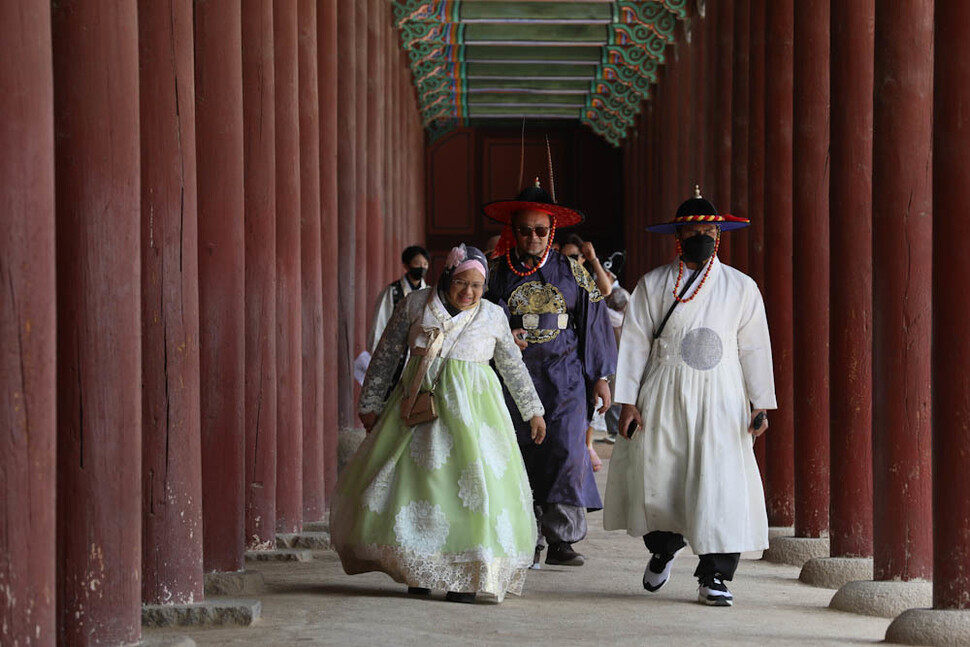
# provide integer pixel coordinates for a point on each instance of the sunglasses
(525, 231)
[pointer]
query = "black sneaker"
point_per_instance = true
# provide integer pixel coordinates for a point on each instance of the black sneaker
(713, 592)
(465, 598)
(657, 572)
(562, 554)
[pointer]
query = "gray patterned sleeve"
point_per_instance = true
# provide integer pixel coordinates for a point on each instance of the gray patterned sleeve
(508, 361)
(384, 362)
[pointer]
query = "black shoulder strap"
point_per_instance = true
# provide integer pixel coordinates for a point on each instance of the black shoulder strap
(673, 305)
(397, 292)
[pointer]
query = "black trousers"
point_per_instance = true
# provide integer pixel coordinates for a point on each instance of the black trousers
(668, 543)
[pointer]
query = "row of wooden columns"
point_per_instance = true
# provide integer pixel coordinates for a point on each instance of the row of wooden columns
(176, 266)
(832, 133)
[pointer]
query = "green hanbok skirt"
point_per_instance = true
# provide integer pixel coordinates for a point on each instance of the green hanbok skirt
(444, 505)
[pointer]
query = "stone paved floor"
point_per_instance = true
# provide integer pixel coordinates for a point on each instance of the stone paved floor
(601, 603)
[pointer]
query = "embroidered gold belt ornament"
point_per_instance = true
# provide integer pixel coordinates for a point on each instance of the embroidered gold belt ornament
(531, 321)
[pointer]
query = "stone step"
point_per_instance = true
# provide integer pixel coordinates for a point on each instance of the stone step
(280, 555)
(316, 526)
(207, 613)
(305, 540)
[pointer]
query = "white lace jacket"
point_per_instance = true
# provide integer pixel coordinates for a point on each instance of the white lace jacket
(476, 335)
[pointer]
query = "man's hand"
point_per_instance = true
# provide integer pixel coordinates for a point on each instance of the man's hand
(369, 420)
(629, 414)
(764, 423)
(601, 390)
(518, 334)
(538, 424)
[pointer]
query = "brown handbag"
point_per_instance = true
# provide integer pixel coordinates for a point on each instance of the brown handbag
(417, 405)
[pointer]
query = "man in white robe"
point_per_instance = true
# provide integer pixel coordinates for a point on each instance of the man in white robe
(694, 380)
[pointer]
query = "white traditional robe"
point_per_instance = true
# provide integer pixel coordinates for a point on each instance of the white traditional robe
(385, 307)
(691, 468)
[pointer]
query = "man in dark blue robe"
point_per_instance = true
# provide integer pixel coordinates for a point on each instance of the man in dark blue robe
(568, 345)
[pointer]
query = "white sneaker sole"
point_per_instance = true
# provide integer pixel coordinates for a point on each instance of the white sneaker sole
(715, 600)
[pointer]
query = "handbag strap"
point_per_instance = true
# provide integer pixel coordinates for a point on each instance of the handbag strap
(455, 343)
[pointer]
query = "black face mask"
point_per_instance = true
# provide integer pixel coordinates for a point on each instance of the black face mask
(416, 273)
(698, 248)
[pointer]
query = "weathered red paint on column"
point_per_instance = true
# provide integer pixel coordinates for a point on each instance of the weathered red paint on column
(902, 272)
(95, 62)
(951, 309)
(347, 269)
(362, 241)
(219, 158)
(375, 154)
(778, 254)
(810, 273)
(27, 325)
(289, 352)
(756, 177)
(259, 137)
(721, 106)
(337, 302)
(850, 199)
(740, 118)
(311, 278)
(171, 416)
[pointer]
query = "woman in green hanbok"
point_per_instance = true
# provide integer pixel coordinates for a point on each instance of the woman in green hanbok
(444, 504)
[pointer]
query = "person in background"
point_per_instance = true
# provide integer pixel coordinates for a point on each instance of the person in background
(442, 501)
(584, 253)
(617, 302)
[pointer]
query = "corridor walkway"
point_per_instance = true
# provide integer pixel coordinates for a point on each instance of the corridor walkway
(600, 604)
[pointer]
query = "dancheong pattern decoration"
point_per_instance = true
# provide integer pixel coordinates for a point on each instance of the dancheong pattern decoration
(474, 60)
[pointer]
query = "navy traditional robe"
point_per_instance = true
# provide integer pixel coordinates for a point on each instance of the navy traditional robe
(564, 364)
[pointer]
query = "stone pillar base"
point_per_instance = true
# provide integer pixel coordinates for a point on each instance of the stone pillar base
(884, 599)
(780, 531)
(348, 440)
(207, 613)
(836, 572)
(279, 555)
(238, 584)
(930, 627)
(796, 550)
(316, 526)
(166, 641)
(304, 540)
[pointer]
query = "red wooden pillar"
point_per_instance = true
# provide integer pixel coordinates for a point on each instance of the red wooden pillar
(171, 420)
(219, 155)
(260, 165)
(810, 229)
(311, 278)
(778, 254)
(337, 300)
(951, 310)
(902, 259)
(289, 352)
(27, 325)
(362, 241)
(850, 196)
(740, 118)
(98, 322)
(756, 178)
(720, 107)
(347, 269)
(375, 156)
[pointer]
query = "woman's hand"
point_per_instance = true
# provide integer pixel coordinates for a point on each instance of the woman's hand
(369, 420)
(629, 414)
(601, 390)
(538, 424)
(589, 252)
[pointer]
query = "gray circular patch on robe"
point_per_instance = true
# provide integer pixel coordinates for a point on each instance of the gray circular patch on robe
(701, 349)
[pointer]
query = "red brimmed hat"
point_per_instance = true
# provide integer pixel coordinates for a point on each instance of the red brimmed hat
(698, 210)
(533, 198)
